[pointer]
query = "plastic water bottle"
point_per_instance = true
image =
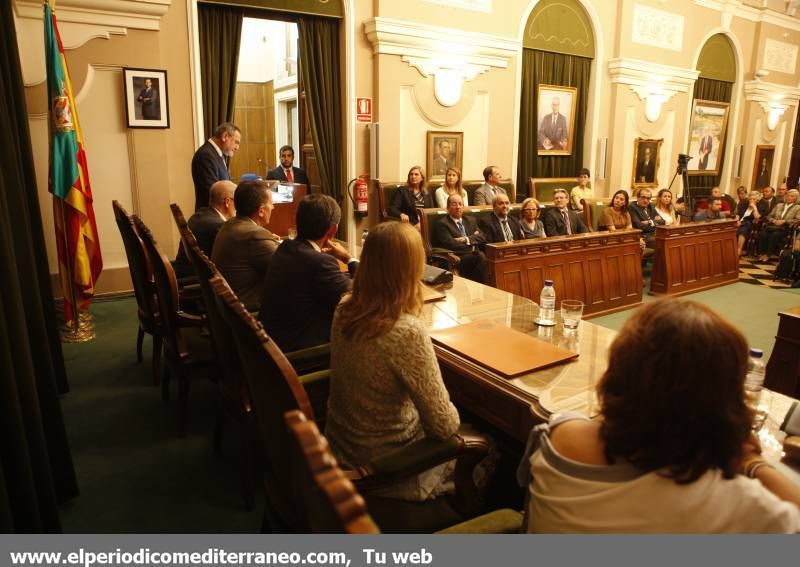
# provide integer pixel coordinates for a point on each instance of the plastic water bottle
(547, 305)
(753, 386)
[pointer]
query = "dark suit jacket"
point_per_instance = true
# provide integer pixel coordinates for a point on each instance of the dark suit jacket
(242, 251)
(706, 143)
(207, 168)
(554, 224)
(150, 105)
(403, 202)
(641, 217)
(278, 173)
(445, 233)
(205, 225)
(300, 294)
(491, 229)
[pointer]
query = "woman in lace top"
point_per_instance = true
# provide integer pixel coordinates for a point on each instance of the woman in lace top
(386, 389)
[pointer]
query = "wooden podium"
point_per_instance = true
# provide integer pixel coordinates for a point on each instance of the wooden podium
(283, 214)
(602, 269)
(694, 256)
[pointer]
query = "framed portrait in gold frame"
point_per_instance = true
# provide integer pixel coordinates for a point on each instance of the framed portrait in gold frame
(646, 158)
(707, 136)
(555, 131)
(444, 150)
(762, 167)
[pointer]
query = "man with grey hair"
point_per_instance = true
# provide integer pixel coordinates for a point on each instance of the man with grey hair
(208, 163)
(304, 283)
(205, 224)
(559, 220)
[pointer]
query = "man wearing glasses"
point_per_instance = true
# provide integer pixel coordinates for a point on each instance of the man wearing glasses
(644, 216)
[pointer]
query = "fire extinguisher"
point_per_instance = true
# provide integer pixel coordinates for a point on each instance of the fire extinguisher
(358, 189)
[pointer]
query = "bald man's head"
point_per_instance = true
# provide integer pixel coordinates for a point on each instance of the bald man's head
(221, 197)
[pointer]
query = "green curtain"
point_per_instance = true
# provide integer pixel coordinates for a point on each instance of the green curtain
(220, 31)
(541, 67)
(717, 91)
(36, 471)
(320, 70)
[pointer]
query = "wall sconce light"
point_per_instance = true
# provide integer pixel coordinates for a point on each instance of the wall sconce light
(448, 76)
(774, 114)
(654, 98)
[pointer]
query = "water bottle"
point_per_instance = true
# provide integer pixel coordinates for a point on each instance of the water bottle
(753, 386)
(547, 305)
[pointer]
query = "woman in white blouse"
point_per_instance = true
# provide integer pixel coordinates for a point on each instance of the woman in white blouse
(452, 185)
(665, 208)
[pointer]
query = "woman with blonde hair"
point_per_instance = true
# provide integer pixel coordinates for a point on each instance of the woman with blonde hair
(406, 200)
(451, 186)
(386, 389)
(665, 208)
(532, 226)
(749, 211)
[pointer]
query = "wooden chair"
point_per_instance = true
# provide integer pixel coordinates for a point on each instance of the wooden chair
(276, 388)
(234, 393)
(543, 188)
(331, 501)
(143, 288)
(188, 354)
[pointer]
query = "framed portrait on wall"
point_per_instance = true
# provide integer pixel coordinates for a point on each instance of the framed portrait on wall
(762, 167)
(556, 120)
(707, 136)
(146, 98)
(445, 149)
(645, 162)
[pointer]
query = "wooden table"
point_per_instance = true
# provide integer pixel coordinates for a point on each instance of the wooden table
(694, 256)
(783, 368)
(602, 269)
(283, 215)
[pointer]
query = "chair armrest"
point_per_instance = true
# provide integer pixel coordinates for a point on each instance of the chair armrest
(503, 521)
(191, 320)
(309, 353)
(314, 377)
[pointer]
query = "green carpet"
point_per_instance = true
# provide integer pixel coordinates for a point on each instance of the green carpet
(752, 308)
(135, 474)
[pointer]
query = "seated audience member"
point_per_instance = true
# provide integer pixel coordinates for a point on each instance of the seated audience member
(386, 389)
(748, 212)
(485, 194)
(665, 209)
(559, 220)
(304, 283)
(286, 170)
(644, 216)
(716, 193)
(460, 235)
(500, 226)
(777, 222)
(712, 212)
(741, 197)
(616, 215)
(451, 186)
(768, 198)
(781, 193)
(532, 225)
(671, 449)
(205, 224)
(580, 191)
(243, 247)
(406, 199)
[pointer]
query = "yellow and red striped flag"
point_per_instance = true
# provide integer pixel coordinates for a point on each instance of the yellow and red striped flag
(79, 257)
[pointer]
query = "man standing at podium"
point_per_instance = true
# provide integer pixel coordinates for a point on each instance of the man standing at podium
(286, 171)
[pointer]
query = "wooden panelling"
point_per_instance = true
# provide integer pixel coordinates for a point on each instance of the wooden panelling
(601, 269)
(694, 256)
(254, 113)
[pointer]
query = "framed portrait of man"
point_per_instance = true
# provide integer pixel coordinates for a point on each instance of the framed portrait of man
(146, 104)
(555, 120)
(444, 150)
(645, 162)
(762, 167)
(707, 136)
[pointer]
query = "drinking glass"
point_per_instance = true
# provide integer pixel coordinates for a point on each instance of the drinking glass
(571, 313)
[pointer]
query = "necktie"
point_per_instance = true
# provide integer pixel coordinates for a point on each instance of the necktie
(461, 228)
(565, 216)
(786, 208)
(507, 231)
(554, 119)
(289, 176)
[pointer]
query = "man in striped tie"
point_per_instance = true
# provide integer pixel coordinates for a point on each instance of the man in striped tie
(459, 235)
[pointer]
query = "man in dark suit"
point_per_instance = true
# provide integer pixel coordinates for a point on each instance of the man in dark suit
(646, 168)
(148, 96)
(205, 224)
(769, 199)
(559, 220)
(706, 143)
(499, 226)
(460, 235)
(553, 133)
(244, 247)
(644, 216)
(208, 163)
(304, 283)
(286, 171)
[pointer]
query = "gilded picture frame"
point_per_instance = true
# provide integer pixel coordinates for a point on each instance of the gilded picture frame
(646, 160)
(762, 167)
(555, 120)
(444, 150)
(707, 131)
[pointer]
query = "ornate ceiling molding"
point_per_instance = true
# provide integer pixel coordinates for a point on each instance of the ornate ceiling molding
(655, 84)
(739, 9)
(773, 99)
(450, 56)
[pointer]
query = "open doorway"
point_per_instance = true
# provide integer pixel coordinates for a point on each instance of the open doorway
(266, 106)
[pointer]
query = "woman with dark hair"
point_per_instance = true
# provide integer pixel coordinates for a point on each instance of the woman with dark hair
(406, 200)
(672, 449)
(616, 216)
